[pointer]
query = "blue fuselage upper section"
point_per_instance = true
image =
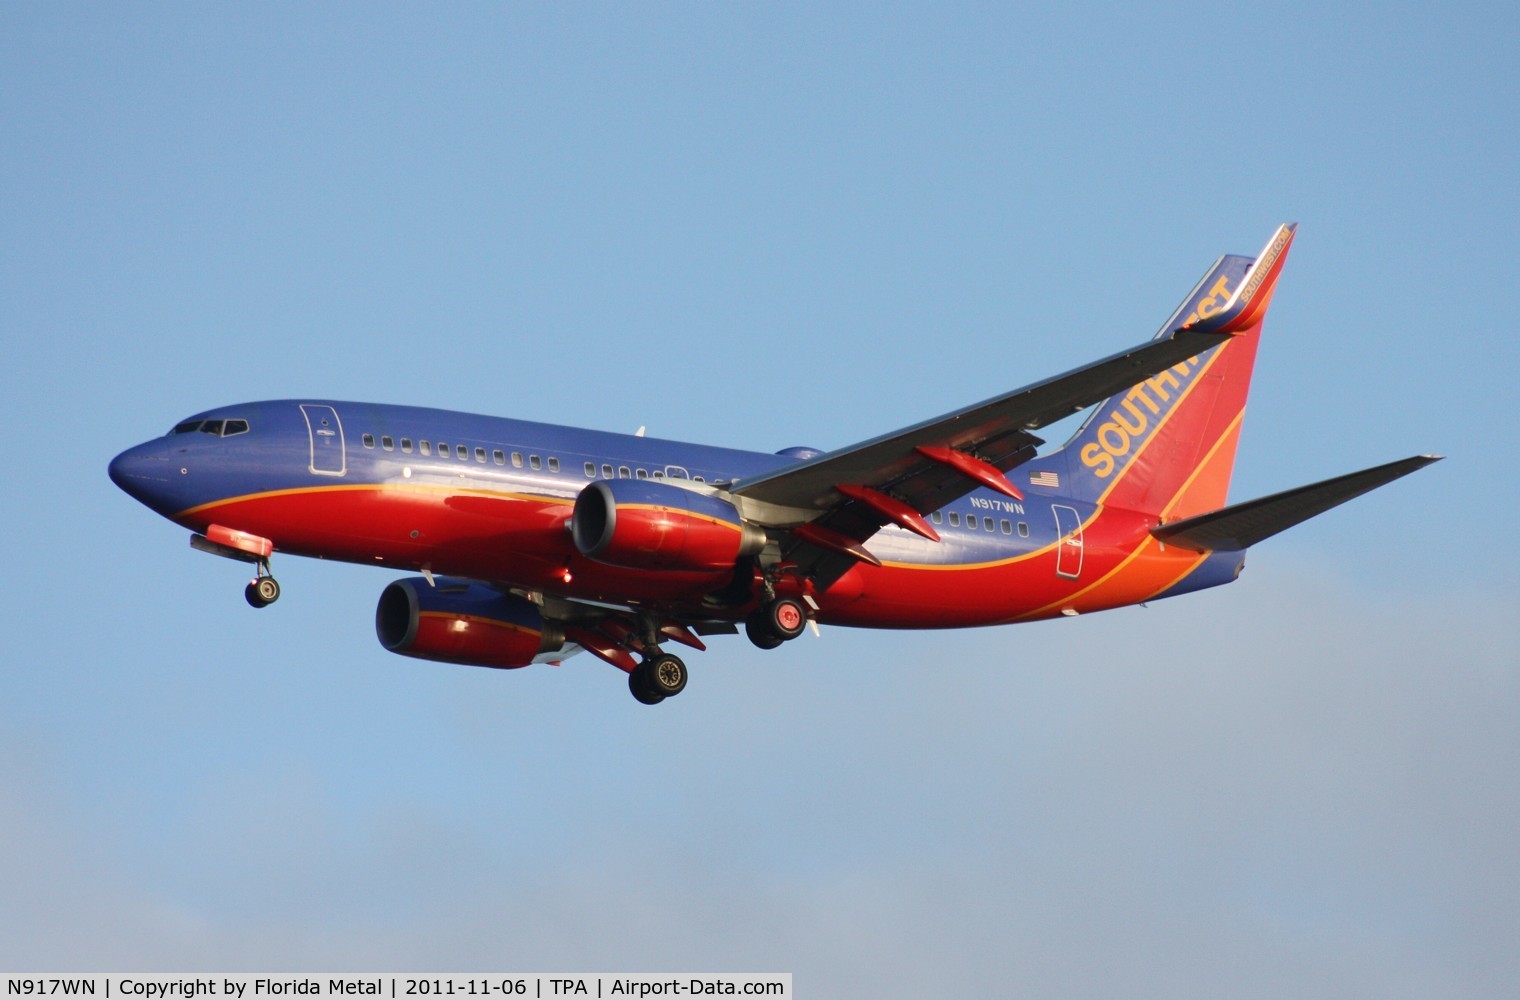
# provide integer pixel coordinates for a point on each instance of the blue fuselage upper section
(294, 444)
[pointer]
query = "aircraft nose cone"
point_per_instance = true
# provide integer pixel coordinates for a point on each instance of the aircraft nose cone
(142, 472)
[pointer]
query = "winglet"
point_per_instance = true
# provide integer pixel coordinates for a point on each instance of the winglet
(1249, 302)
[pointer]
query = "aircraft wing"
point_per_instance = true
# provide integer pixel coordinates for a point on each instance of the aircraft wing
(995, 431)
(900, 476)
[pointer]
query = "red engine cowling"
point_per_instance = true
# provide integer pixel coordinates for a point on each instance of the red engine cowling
(462, 622)
(648, 525)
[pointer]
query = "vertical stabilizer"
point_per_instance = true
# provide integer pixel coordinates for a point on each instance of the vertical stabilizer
(1167, 445)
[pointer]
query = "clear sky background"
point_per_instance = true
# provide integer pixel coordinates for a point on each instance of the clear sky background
(764, 226)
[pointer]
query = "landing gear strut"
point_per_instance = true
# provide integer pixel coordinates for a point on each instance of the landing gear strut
(262, 590)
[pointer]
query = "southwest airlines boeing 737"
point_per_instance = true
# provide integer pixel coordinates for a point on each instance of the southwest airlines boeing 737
(534, 542)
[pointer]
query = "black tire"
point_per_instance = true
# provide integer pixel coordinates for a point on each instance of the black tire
(251, 594)
(640, 687)
(759, 632)
(268, 590)
(786, 618)
(666, 675)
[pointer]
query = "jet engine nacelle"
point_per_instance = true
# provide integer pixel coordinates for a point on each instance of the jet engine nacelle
(462, 622)
(643, 524)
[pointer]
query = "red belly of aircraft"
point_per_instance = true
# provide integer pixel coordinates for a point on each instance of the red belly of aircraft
(516, 540)
(524, 542)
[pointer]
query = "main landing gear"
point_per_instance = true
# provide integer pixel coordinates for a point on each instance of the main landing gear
(774, 622)
(262, 590)
(658, 677)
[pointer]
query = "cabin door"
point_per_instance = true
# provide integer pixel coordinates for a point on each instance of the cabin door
(1069, 549)
(328, 457)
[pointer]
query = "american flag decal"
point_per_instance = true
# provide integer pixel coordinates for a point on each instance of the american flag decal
(1049, 479)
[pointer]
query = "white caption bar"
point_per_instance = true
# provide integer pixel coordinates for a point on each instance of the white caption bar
(393, 986)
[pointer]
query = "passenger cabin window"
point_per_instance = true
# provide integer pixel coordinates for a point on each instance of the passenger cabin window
(698, 479)
(624, 472)
(607, 472)
(480, 454)
(499, 457)
(388, 443)
(937, 517)
(406, 445)
(517, 460)
(369, 440)
(640, 474)
(1006, 525)
(533, 462)
(424, 447)
(553, 464)
(462, 452)
(443, 450)
(955, 519)
(987, 524)
(657, 474)
(590, 470)
(1023, 530)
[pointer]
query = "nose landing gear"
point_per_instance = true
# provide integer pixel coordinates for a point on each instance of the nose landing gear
(262, 590)
(230, 543)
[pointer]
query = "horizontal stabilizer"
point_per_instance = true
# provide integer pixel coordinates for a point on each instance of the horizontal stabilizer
(1244, 524)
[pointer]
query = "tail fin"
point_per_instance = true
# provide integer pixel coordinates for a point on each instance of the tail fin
(1167, 445)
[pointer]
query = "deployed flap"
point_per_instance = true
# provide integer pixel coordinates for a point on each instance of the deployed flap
(1244, 524)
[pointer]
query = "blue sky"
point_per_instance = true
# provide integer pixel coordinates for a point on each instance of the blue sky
(764, 226)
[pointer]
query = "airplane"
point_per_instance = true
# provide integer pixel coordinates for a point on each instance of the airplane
(535, 542)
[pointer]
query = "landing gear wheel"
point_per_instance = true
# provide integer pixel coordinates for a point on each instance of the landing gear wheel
(640, 687)
(785, 618)
(262, 592)
(759, 632)
(666, 673)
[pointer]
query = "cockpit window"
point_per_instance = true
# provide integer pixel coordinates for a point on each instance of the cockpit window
(216, 428)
